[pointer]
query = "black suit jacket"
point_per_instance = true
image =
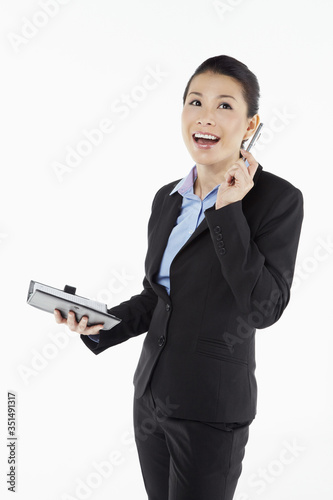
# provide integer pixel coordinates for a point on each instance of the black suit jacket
(232, 276)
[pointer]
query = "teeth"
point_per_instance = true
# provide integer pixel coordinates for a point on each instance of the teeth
(205, 136)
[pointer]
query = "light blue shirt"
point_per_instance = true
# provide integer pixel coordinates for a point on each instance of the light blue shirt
(191, 215)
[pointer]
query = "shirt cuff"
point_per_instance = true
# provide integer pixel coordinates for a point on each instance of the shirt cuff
(95, 338)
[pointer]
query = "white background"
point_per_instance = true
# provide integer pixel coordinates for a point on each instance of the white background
(62, 74)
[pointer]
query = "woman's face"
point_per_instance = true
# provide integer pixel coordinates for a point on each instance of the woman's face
(214, 120)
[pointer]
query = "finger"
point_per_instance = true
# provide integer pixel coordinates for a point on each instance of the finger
(93, 330)
(248, 156)
(58, 317)
(229, 176)
(241, 165)
(237, 171)
(71, 321)
(82, 325)
(252, 169)
(253, 164)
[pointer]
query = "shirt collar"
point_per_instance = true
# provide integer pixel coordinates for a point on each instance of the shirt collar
(186, 183)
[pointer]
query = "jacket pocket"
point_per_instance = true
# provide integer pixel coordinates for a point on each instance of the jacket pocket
(218, 349)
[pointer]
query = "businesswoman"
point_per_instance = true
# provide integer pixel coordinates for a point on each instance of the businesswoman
(222, 245)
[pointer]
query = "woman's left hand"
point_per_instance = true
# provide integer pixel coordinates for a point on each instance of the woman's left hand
(238, 181)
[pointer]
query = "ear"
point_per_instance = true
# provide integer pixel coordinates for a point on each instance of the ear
(251, 126)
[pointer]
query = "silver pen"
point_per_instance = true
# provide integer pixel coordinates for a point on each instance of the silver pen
(253, 141)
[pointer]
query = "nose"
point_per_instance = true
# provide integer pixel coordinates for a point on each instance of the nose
(206, 120)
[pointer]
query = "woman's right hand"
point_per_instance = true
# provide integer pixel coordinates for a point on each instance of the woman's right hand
(74, 326)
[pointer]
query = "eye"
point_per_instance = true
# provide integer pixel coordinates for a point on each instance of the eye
(195, 103)
(225, 105)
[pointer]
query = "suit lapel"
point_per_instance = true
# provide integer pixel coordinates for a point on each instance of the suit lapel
(160, 233)
(202, 227)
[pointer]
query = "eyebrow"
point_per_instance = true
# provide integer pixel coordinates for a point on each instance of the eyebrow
(217, 97)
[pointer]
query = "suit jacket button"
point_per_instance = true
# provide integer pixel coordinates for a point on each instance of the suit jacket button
(167, 307)
(217, 229)
(222, 251)
(161, 340)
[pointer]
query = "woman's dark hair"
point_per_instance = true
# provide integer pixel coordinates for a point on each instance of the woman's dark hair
(225, 65)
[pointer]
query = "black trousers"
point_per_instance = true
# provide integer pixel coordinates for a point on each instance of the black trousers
(186, 459)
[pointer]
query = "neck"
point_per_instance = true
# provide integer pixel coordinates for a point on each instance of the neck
(209, 176)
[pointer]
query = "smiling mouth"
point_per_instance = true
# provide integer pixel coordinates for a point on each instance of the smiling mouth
(205, 140)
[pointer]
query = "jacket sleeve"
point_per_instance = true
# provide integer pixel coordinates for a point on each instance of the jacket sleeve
(259, 269)
(135, 313)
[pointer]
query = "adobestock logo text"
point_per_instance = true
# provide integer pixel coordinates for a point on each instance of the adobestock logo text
(31, 27)
(121, 109)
